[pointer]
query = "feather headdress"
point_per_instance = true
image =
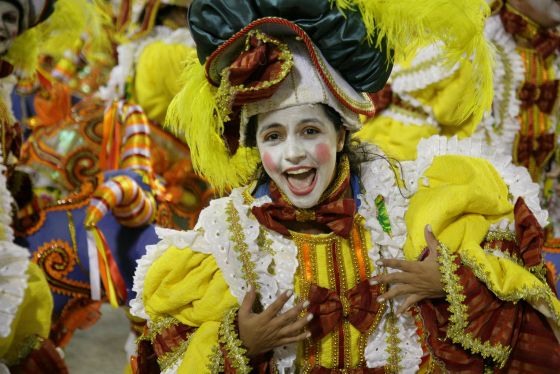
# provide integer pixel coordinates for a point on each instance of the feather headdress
(350, 43)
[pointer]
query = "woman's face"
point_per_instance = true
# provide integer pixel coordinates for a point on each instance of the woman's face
(545, 12)
(9, 25)
(298, 147)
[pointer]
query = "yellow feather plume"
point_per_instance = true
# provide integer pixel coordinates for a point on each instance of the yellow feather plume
(53, 36)
(407, 25)
(193, 115)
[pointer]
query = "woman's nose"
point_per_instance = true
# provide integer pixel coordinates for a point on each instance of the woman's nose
(294, 151)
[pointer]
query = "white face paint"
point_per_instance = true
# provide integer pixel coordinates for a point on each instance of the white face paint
(298, 147)
(9, 25)
(545, 12)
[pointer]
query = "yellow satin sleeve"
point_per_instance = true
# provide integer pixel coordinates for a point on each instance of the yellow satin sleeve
(461, 197)
(33, 317)
(444, 101)
(157, 77)
(190, 287)
(396, 139)
(446, 98)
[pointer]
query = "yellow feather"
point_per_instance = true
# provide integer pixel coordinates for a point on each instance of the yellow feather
(410, 24)
(53, 36)
(193, 115)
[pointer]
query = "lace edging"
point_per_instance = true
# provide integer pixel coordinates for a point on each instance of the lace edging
(13, 283)
(168, 238)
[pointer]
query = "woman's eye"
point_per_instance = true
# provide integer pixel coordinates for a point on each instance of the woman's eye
(310, 131)
(271, 137)
(10, 17)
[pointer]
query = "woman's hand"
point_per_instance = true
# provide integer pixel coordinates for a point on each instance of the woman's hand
(417, 280)
(267, 330)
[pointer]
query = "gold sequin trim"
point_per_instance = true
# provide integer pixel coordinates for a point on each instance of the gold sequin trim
(501, 235)
(157, 326)
(233, 346)
(458, 320)
(538, 292)
(393, 349)
(240, 246)
(226, 92)
(170, 358)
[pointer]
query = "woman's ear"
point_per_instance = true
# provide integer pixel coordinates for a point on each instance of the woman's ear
(341, 138)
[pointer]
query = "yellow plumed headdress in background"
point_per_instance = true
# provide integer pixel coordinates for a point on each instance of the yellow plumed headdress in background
(350, 43)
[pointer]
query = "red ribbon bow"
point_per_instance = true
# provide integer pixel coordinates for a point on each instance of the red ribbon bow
(337, 214)
(538, 148)
(358, 306)
(543, 95)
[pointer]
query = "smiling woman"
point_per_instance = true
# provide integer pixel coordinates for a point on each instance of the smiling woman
(324, 260)
(298, 147)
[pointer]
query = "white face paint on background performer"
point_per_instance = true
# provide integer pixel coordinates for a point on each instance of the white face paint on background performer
(9, 25)
(545, 12)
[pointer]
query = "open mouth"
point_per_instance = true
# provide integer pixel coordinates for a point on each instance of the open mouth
(301, 181)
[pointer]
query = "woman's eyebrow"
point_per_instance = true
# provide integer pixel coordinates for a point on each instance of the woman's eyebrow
(308, 120)
(269, 126)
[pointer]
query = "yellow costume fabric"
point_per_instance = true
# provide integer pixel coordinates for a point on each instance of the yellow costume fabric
(156, 81)
(432, 110)
(33, 318)
(461, 197)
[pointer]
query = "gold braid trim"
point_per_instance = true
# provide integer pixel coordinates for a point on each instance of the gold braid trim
(501, 235)
(458, 320)
(229, 339)
(158, 326)
(23, 350)
(503, 254)
(170, 358)
(240, 246)
(216, 364)
(394, 359)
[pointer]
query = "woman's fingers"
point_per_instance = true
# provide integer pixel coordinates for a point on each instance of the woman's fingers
(408, 302)
(295, 327)
(397, 264)
(431, 240)
(394, 292)
(292, 314)
(246, 306)
(275, 308)
(397, 277)
(294, 339)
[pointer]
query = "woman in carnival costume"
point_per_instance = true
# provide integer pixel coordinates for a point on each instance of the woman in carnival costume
(426, 96)
(25, 300)
(326, 258)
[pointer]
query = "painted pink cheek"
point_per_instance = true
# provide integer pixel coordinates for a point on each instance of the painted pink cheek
(323, 153)
(268, 162)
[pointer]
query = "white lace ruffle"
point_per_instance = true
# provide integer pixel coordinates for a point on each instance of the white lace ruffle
(14, 261)
(509, 73)
(380, 179)
(401, 115)
(516, 177)
(218, 234)
(426, 69)
(6, 232)
(168, 238)
(129, 54)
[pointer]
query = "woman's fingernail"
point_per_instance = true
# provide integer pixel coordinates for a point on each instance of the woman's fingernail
(308, 335)
(430, 228)
(289, 293)
(309, 317)
(373, 282)
(380, 299)
(379, 263)
(306, 304)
